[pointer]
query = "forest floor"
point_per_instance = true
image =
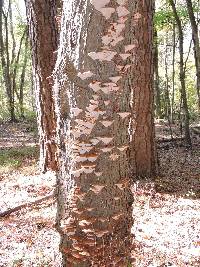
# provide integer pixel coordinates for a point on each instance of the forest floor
(166, 211)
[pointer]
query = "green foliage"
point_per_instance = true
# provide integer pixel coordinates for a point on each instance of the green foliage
(14, 157)
(16, 64)
(164, 17)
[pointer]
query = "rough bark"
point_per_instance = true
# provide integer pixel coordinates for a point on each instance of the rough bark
(143, 151)
(182, 75)
(156, 78)
(43, 34)
(195, 38)
(93, 103)
(22, 79)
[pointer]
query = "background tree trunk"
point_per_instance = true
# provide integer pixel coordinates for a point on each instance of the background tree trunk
(156, 78)
(195, 38)
(143, 151)
(43, 34)
(5, 60)
(182, 76)
(173, 71)
(22, 79)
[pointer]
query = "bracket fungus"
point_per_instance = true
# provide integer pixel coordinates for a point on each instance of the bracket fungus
(122, 11)
(85, 75)
(103, 56)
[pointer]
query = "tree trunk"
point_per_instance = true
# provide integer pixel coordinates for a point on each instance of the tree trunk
(167, 84)
(140, 77)
(156, 77)
(182, 76)
(5, 61)
(94, 84)
(22, 80)
(43, 34)
(195, 38)
(173, 72)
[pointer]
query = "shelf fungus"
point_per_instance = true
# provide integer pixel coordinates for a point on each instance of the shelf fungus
(103, 55)
(88, 169)
(113, 36)
(92, 158)
(109, 87)
(125, 56)
(101, 233)
(107, 11)
(97, 188)
(105, 140)
(129, 47)
(91, 107)
(99, 4)
(115, 79)
(101, 7)
(95, 86)
(98, 174)
(107, 123)
(123, 148)
(124, 115)
(122, 11)
(96, 97)
(76, 173)
(81, 159)
(114, 157)
(118, 216)
(84, 223)
(76, 111)
(85, 75)
(77, 247)
(85, 149)
(121, 2)
(122, 20)
(86, 124)
(107, 149)
(94, 141)
(85, 253)
(88, 231)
